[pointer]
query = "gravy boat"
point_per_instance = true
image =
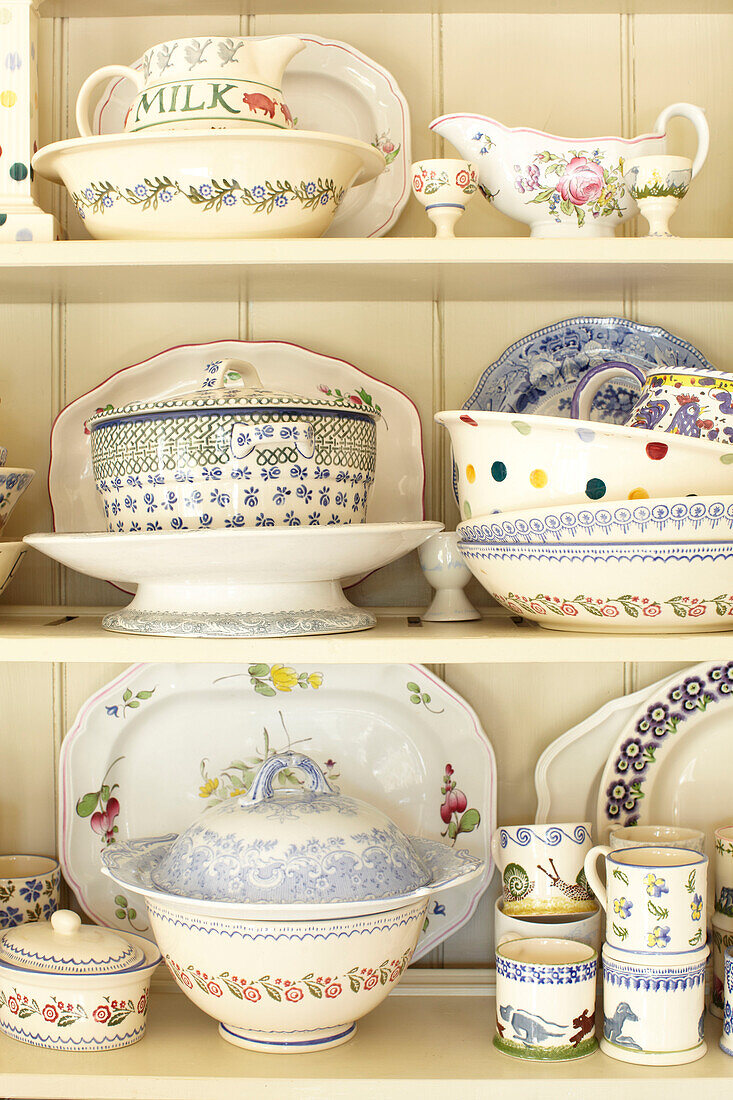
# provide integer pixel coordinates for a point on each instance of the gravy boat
(561, 187)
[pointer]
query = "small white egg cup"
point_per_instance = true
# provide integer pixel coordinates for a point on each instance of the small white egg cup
(444, 188)
(446, 571)
(657, 184)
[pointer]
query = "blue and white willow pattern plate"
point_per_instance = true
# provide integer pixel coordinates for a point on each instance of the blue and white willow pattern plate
(538, 373)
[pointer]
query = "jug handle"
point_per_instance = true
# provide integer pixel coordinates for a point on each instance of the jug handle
(91, 82)
(591, 382)
(696, 116)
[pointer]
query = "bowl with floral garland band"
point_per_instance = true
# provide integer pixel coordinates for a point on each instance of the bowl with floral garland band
(698, 518)
(640, 587)
(69, 986)
(287, 942)
(507, 462)
(210, 184)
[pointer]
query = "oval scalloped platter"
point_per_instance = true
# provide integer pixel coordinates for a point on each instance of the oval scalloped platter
(333, 88)
(135, 763)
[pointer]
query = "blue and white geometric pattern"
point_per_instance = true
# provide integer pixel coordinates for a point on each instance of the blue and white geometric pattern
(555, 974)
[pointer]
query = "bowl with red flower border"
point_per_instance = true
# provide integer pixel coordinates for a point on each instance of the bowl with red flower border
(72, 986)
(505, 462)
(290, 913)
(645, 586)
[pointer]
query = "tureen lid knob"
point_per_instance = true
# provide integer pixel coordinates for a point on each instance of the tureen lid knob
(65, 922)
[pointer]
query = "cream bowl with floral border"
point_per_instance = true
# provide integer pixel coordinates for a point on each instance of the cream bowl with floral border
(287, 943)
(621, 588)
(68, 986)
(210, 184)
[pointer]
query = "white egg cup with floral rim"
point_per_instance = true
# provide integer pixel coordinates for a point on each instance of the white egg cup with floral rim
(444, 188)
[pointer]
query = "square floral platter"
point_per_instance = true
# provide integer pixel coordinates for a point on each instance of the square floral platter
(161, 744)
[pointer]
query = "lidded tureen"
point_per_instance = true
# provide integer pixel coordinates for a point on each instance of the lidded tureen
(234, 454)
(307, 845)
(74, 986)
(289, 913)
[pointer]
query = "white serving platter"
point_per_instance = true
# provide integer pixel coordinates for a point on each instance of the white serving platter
(256, 582)
(333, 88)
(158, 745)
(568, 773)
(670, 763)
(76, 504)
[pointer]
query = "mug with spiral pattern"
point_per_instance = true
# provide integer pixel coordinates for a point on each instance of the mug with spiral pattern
(542, 868)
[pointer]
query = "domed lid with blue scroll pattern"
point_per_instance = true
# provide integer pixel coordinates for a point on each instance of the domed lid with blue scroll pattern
(291, 846)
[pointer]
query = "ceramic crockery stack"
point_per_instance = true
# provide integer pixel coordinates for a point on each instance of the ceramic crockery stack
(545, 999)
(722, 921)
(545, 892)
(655, 954)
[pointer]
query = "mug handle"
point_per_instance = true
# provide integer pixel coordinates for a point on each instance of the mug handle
(584, 394)
(589, 866)
(91, 82)
(495, 847)
(696, 116)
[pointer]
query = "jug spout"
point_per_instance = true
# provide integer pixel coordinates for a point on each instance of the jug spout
(470, 134)
(271, 56)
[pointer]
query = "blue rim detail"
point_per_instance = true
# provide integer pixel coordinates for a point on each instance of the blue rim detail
(324, 1041)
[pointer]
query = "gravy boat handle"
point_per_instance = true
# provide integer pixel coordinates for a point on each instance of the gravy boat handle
(696, 116)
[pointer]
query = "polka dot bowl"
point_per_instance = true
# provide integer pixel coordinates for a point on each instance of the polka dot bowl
(672, 518)
(505, 462)
(643, 587)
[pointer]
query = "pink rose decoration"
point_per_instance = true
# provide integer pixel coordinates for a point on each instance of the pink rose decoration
(582, 182)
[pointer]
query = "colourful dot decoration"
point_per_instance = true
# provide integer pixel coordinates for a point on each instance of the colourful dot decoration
(538, 478)
(466, 509)
(595, 489)
(469, 420)
(470, 474)
(24, 235)
(5, 16)
(585, 435)
(727, 458)
(8, 98)
(18, 171)
(638, 494)
(498, 471)
(656, 451)
(3, 219)
(522, 427)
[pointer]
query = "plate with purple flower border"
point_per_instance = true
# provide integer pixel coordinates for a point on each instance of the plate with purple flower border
(671, 762)
(162, 743)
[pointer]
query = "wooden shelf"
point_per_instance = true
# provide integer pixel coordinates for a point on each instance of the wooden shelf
(386, 269)
(418, 1047)
(76, 635)
(304, 8)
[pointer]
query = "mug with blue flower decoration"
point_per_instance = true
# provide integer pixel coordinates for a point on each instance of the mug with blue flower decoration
(29, 889)
(654, 898)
